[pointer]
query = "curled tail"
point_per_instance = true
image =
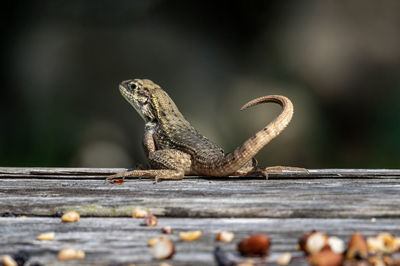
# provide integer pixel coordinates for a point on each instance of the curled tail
(244, 153)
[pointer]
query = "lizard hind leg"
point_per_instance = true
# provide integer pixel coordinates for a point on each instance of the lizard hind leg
(266, 171)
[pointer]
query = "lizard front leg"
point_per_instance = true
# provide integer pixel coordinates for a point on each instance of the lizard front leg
(168, 164)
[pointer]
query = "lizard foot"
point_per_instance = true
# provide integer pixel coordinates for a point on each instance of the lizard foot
(264, 172)
(162, 174)
(279, 169)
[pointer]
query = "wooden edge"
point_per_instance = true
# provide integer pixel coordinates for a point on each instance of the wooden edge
(100, 173)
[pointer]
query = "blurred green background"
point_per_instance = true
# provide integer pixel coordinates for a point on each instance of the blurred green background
(339, 61)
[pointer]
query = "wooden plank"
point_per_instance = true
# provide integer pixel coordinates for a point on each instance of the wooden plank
(124, 240)
(100, 173)
(200, 197)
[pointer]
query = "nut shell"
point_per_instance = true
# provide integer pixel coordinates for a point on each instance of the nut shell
(357, 247)
(254, 245)
(325, 258)
(163, 249)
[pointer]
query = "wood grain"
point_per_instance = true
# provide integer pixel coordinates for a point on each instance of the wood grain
(289, 204)
(99, 173)
(124, 240)
(199, 197)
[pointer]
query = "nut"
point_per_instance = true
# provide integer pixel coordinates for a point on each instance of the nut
(70, 217)
(316, 242)
(139, 213)
(167, 230)
(375, 244)
(190, 236)
(163, 249)
(257, 245)
(325, 258)
(388, 241)
(150, 220)
(225, 236)
(383, 242)
(336, 244)
(303, 241)
(357, 247)
(284, 259)
(7, 260)
(70, 253)
(47, 236)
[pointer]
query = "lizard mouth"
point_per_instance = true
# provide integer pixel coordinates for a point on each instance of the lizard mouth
(130, 98)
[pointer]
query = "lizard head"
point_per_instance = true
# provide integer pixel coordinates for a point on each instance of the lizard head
(149, 100)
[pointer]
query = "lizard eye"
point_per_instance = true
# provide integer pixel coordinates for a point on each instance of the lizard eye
(133, 86)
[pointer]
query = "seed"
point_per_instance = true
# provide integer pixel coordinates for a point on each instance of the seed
(47, 236)
(225, 236)
(284, 259)
(70, 253)
(7, 260)
(150, 220)
(70, 217)
(190, 236)
(67, 254)
(139, 213)
(167, 230)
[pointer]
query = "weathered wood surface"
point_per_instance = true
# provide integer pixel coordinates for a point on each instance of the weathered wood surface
(198, 197)
(99, 173)
(124, 240)
(336, 201)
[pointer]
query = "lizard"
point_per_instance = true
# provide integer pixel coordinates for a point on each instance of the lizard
(174, 148)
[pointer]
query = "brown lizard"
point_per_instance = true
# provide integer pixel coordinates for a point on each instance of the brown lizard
(174, 148)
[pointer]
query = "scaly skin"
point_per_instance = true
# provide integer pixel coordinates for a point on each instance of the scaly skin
(174, 148)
